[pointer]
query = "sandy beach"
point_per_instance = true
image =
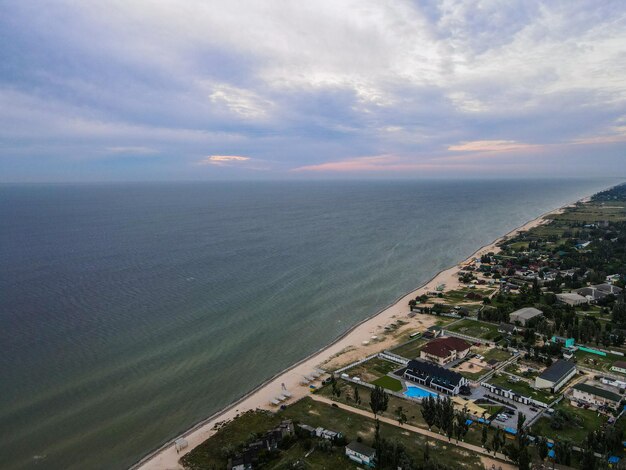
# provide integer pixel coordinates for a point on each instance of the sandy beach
(354, 344)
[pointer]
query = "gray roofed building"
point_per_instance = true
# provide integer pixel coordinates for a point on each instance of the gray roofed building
(555, 376)
(361, 453)
(572, 299)
(595, 395)
(523, 315)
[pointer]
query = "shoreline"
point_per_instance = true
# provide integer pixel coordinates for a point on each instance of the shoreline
(166, 457)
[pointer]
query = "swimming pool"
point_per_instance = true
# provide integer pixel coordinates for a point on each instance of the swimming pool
(414, 391)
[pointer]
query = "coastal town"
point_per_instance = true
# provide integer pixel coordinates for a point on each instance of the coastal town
(515, 358)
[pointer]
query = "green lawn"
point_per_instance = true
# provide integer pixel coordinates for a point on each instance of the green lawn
(475, 329)
(522, 388)
(498, 354)
(373, 369)
(410, 350)
(576, 432)
(389, 383)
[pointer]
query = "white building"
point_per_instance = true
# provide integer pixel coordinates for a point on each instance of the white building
(555, 376)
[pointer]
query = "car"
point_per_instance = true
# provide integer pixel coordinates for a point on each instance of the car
(533, 409)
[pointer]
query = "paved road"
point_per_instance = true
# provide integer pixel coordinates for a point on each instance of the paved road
(408, 427)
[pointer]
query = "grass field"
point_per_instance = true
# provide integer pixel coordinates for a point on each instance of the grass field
(475, 329)
(389, 383)
(372, 369)
(410, 350)
(498, 354)
(593, 361)
(589, 421)
(522, 388)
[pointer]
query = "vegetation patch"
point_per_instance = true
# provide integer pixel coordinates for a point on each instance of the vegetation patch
(568, 423)
(475, 329)
(389, 383)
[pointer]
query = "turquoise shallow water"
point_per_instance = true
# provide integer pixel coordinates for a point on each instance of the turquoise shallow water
(130, 311)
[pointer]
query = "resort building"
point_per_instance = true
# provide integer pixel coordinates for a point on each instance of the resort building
(595, 396)
(435, 377)
(555, 376)
(619, 366)
(523, 315)
(444, 350)
(572, 299)
(361, 454)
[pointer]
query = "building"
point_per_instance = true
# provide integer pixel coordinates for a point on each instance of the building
(555, 376)
(248, 458)
(435, 377)
(523, 315)
(572, 299)
(361, 454)
(619, 366)
(445, 350)
(566, 342)
(595, 396)
(599, 291)
(506, 328)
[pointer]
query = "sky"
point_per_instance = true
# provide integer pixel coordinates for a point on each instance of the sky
(209, 90)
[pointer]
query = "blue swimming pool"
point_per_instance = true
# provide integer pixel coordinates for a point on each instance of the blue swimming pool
(414, 391)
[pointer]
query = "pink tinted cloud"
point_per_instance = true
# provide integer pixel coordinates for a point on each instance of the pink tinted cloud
(491, 146)
(221, 160)
(377, 163)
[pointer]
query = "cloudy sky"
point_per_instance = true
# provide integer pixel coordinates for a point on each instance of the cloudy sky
(211, 89)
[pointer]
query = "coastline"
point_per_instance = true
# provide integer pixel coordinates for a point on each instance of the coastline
(350, 343)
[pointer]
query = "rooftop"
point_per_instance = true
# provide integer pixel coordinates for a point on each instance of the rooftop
(362, 449)
(601, 392)
(527, 313)
(442, 347)
(557, 371)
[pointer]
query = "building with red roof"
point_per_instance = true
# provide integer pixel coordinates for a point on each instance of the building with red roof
(444, 350)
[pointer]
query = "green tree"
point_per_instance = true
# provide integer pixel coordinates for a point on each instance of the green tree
(379, 399)
(401, 416)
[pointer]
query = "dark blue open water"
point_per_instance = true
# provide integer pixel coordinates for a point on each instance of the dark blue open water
(130, 311)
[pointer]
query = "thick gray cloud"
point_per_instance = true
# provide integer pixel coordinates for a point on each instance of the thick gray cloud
(154, 89)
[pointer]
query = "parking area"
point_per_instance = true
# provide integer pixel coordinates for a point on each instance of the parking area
(510, 411)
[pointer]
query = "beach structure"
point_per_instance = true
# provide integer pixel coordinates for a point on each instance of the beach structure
(445, 350)
(524, 315)
(555, 376)
(572, 299)
(619, 366)
(595, 396)
(181, 444)
(361, 454)
(435, 377)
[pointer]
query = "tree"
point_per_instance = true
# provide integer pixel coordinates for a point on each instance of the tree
(542, 447)
(428, 411)
(379, 399)
(523, 459)
(401, 415)
(521, 433)
(484, 437)
(497, 441)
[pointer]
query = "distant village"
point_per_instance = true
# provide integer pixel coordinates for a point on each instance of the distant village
(523, 363)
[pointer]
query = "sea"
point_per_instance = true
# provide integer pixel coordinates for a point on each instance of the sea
(130, 311)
